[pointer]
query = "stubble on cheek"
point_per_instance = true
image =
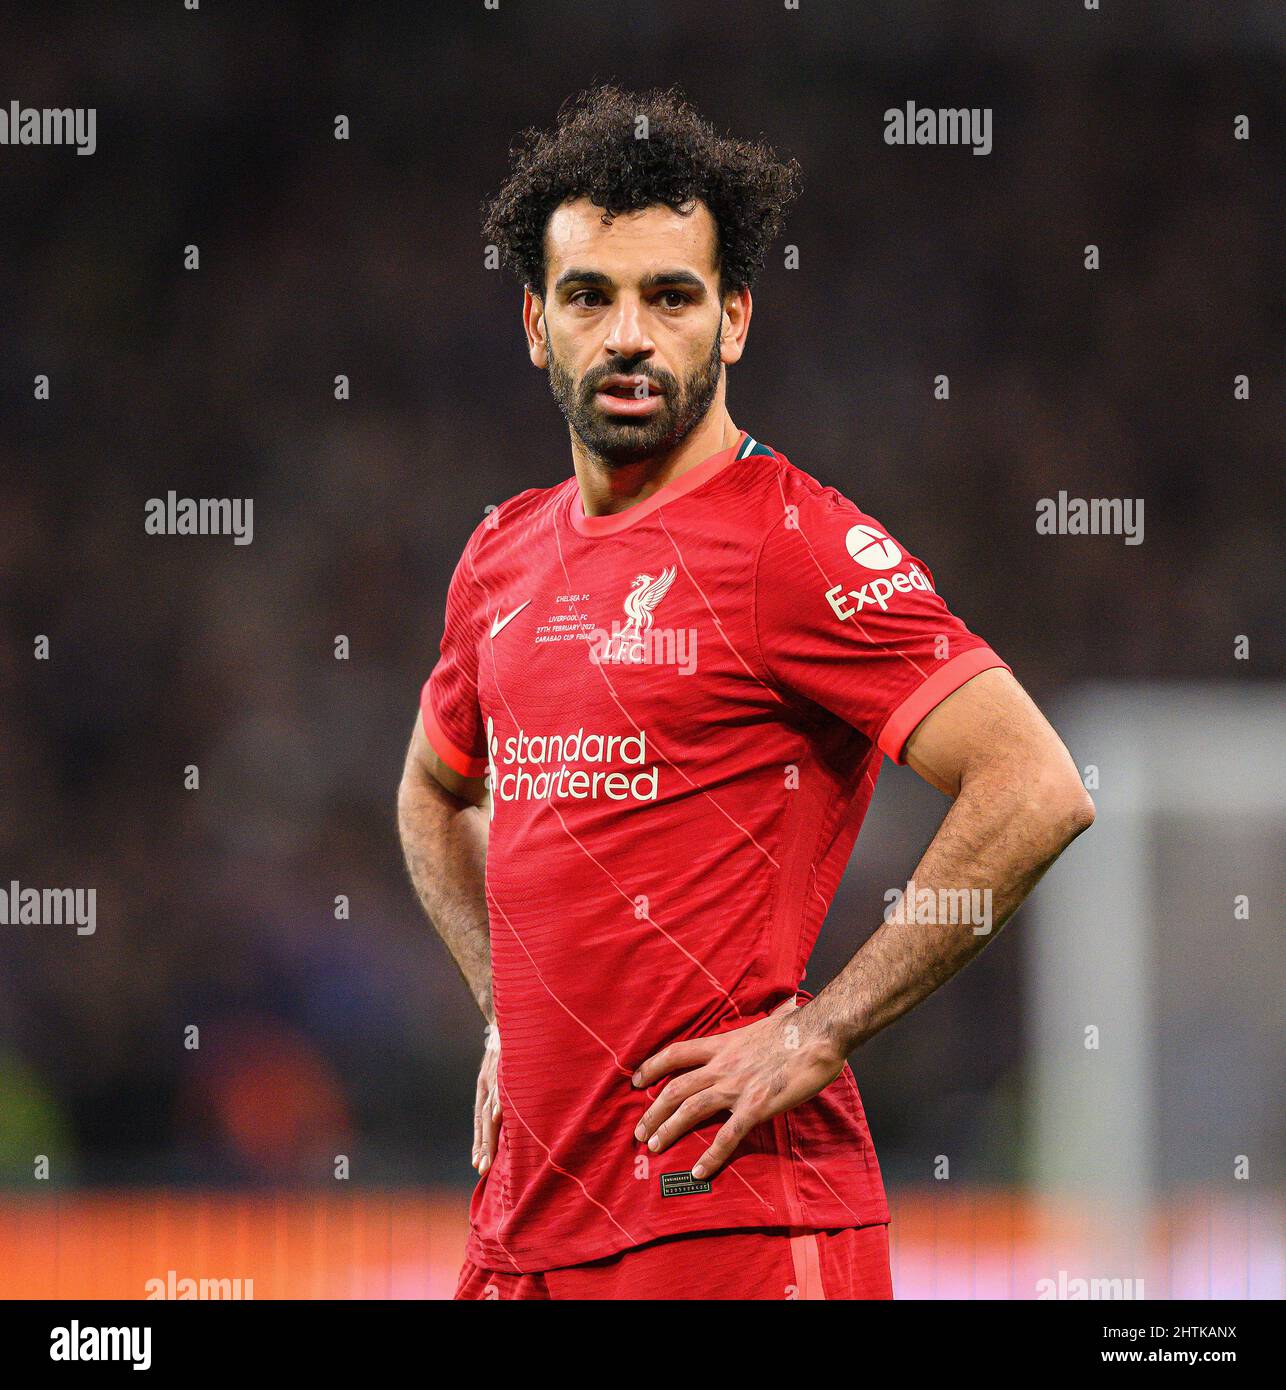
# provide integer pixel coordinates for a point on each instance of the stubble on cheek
(683, 406)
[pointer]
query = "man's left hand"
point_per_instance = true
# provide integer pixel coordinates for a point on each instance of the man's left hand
(754, 1072)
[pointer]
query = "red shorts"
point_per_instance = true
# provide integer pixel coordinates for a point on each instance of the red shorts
(759, 1264)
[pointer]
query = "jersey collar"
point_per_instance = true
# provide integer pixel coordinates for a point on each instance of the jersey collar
(687, 482)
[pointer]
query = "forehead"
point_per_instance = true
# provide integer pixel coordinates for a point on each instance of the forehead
(632, 242)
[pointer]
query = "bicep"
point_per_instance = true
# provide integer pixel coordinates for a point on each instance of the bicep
(422, 761)
(989, 721)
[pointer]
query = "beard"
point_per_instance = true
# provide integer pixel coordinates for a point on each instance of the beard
(617, 440)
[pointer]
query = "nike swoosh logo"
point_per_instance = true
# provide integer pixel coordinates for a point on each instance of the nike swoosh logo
(498, 622)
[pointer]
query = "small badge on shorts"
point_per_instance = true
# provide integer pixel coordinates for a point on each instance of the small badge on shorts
(683, 1185)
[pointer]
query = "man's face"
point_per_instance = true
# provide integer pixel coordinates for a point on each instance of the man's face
(633, 326)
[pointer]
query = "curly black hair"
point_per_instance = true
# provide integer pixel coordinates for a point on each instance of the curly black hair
(595, 150)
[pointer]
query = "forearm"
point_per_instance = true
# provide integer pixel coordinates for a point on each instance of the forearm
(1001, 834)
(444, 842)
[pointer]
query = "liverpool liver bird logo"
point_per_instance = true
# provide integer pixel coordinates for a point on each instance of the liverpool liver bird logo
(644, 595)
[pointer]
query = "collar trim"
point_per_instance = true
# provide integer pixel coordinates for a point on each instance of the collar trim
(700, 473)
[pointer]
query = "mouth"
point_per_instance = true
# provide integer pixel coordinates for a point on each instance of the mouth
(629, 395)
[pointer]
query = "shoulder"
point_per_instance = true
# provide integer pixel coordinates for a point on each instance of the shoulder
(780, 483)
(817, 538)
(795, 506)
(512, 522)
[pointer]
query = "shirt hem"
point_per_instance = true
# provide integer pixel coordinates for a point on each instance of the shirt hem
(506, 1259)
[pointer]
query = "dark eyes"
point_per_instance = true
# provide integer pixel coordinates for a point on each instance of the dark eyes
(594, 299)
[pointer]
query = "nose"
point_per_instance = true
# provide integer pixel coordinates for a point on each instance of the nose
(627, 334)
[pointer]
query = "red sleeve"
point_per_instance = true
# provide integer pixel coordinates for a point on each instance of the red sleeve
(449, 699)
(845, 617)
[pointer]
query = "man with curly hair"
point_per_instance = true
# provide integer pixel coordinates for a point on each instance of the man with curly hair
(665, 690)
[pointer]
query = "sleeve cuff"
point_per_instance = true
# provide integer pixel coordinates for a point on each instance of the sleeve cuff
(929, 694)
(457, 760)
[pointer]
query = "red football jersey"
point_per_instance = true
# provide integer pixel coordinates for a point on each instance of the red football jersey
(681, 710)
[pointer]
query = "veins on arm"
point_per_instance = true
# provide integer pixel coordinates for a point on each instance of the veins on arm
(1018, 803)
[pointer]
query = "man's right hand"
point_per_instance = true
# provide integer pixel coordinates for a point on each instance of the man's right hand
(486, 1104)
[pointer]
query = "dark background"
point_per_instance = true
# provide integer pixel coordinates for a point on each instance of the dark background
(318, 257)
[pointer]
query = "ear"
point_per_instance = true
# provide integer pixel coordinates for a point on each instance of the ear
(533, 323)
(737, 307)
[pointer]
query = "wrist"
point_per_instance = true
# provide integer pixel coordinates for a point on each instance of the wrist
(826, 1034)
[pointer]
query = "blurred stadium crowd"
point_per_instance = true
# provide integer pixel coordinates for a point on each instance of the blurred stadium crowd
(216, 907)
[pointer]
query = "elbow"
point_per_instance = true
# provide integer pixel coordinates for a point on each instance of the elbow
(1065, 807)
(1080, 812)
(1047, 797)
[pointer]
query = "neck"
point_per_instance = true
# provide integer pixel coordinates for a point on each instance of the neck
(605, 490)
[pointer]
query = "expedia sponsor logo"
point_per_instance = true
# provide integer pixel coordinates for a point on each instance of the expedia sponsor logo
(877, 593)
(579, 766)
(869, 546)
